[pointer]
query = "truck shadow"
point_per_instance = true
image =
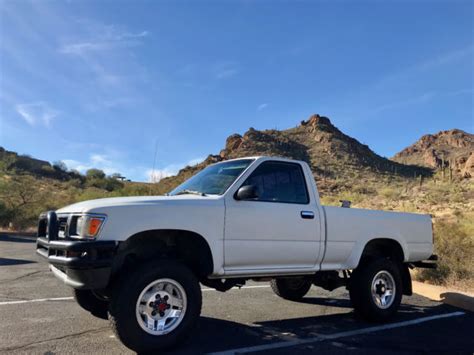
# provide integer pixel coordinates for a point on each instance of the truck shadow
(214, 335)
(8, 262)
(17, 238)
(330, 302)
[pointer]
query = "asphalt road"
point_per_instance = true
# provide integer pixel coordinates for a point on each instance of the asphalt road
(37, 315)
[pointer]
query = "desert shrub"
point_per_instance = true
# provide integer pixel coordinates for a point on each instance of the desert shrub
(330, 200)
(60, 166)
(105, 183)
(366, 190)
(5, 215)
(91, 194)
(454, 245)
(47, 170)
(391, 193)
(95, 174)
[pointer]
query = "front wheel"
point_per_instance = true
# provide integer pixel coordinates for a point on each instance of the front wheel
(293, 289)
(156, 306)
(376, 290)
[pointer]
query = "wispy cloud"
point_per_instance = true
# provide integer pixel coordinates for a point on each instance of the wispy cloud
(101, 48)
(108, 38)
(37, 113)
(97, 161)
(262, 107)
(425, 97)
(226, 70)
(446, 58)
(402, 88)
(422, 67)
(170, 170)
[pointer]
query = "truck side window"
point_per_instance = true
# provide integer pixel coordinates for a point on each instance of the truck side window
(279, 182)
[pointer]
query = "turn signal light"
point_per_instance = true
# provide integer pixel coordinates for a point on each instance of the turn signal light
(88, 226)
(94, 226)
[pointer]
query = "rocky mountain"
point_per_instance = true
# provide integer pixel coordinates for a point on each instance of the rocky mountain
(334, 157)
(452, 149)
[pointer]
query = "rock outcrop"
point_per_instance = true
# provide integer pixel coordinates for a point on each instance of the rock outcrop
(334, 157)
(452, 149)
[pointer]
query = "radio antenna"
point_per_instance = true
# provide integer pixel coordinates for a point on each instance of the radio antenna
(153, 169)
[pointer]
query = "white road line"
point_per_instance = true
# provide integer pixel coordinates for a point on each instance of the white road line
(37, 300)
(321, 337)
(70, 298)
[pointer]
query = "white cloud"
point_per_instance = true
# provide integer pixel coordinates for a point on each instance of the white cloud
(226, 70)
(81, 48)
(170, 170)
(100, 159)
(262, 107)
(97, 161)
(105, 50)
(37, 113)
(108, 38)
(76, 165)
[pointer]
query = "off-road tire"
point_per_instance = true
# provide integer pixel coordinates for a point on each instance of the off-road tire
(126, 291)
(88, 301)
(360, 289)
(293, 289)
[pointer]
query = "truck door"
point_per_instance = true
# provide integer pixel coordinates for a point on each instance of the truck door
(279, 228)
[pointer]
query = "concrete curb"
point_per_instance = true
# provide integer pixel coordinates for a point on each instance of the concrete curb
(464, 300)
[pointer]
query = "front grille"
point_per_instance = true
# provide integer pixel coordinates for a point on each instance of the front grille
(59, 227)
(42, 225)
(62, 227)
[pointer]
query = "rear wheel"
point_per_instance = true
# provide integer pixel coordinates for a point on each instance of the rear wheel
(376, 289)
(92, 303)
(292, 289)
(156, 306)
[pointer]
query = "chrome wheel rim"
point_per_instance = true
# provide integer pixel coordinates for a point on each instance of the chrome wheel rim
(161, 306)
(383, 289)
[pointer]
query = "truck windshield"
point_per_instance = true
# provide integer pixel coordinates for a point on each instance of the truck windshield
(213, 180)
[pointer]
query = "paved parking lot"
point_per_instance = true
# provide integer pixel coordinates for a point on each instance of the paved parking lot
(38, 315)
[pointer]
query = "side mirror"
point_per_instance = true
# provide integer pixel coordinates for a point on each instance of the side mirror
(248, 192)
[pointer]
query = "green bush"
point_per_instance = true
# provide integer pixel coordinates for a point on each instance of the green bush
(95, 174)
(454, 245)
(391, 193)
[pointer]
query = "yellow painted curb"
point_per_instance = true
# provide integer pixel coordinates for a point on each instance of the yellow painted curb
(464, 300)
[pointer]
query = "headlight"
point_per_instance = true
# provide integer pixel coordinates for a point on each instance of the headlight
(89, 226)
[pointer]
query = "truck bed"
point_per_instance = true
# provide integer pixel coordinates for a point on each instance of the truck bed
(347, 230)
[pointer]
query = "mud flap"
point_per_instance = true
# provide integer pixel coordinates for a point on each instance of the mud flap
(406, 280)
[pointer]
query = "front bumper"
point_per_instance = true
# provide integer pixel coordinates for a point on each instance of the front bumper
(81, 264)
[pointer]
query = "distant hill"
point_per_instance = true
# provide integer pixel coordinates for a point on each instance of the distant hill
(446, 149)
(336, 159)
(12, 161)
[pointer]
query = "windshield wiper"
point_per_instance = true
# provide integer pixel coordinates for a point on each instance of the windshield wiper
(191, 192)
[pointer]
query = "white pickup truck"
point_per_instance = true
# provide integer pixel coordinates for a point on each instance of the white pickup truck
(139, 260)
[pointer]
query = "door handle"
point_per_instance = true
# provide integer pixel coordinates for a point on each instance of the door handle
(307, 214)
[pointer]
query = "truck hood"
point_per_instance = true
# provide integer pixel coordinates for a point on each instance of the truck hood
(103, 203)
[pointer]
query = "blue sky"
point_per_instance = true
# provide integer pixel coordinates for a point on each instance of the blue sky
(97, 83)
